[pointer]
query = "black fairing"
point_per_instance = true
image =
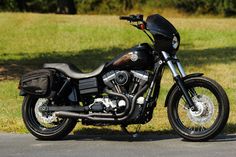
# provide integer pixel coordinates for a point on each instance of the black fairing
(136, 58)
(163, 32)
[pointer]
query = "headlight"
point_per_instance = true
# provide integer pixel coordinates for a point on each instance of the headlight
(175, 42)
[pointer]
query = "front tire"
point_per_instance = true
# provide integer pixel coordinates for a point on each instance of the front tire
(49, 131)
(213, 110)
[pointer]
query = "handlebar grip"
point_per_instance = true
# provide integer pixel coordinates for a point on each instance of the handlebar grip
(124, 18)
(132, 18)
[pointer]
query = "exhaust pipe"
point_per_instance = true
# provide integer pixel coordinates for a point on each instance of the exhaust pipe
(102, 117)
(67, 114)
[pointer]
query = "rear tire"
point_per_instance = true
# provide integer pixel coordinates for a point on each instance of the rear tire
(63, 128)
(202, 126)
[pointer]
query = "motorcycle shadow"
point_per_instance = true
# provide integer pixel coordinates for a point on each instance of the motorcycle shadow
(219, 138)
(116, 135)
(127, 138)
(94, 134)
(144, 138)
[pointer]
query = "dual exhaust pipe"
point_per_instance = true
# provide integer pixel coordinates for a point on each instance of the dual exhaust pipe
(106, 117)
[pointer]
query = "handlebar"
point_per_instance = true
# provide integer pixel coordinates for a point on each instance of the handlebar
(124, 18)
(137, 18)
(132, 18)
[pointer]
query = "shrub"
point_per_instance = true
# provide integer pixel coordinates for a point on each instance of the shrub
(226, 7)
(42, 6)
(8, 5)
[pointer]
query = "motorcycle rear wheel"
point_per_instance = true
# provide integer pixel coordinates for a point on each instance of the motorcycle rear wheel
(213, 110)
(50, 131)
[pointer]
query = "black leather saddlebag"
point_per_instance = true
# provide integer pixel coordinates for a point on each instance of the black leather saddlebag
(39, 82)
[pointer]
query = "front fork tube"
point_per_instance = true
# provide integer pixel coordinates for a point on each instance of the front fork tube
(173, 62)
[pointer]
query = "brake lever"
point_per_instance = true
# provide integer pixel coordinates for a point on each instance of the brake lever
(140, 26)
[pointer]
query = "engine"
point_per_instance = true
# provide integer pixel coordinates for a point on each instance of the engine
(106, 104)
(122, 82)
(125, 82)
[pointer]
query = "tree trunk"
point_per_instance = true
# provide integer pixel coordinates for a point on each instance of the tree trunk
(71, 7)
(129, 4)
(66, 7)
(21, 5)
(61, 6)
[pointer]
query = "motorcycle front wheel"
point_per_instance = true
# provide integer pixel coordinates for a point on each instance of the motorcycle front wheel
(44, 125)
(211, 116)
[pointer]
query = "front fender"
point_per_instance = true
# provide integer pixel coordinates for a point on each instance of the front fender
(174, 86)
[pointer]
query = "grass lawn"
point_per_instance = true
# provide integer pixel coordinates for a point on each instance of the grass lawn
(28, 40)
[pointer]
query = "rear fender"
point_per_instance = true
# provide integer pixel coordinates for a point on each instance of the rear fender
(175, 85)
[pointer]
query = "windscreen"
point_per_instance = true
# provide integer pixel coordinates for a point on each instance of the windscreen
(157, 24)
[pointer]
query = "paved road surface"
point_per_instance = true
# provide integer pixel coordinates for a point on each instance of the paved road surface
(14, 145)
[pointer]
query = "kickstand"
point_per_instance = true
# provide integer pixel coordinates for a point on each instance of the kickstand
(124, 129)
(136, 134)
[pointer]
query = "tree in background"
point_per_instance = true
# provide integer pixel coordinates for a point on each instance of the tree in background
(41, 6)
(225, 7)
(106, 6)
(8, 5)
(230, 7)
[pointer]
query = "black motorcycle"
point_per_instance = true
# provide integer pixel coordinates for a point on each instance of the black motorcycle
(124, 91)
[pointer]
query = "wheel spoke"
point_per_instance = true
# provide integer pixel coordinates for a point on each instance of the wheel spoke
(203, 119)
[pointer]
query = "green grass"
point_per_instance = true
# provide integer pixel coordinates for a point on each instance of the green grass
(28, 40)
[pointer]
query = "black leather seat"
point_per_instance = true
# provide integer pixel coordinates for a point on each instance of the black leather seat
(72, 71)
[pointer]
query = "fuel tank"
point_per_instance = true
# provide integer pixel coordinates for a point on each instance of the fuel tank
(136, 58)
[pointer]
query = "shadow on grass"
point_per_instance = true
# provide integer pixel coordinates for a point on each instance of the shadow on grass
(92, 58)
(86, 60)
(208, 56)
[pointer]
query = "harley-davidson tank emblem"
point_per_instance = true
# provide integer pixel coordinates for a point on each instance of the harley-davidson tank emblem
(133, 56)
(126, 58)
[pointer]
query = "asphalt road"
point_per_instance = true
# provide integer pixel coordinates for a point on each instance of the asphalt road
(14, 145)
